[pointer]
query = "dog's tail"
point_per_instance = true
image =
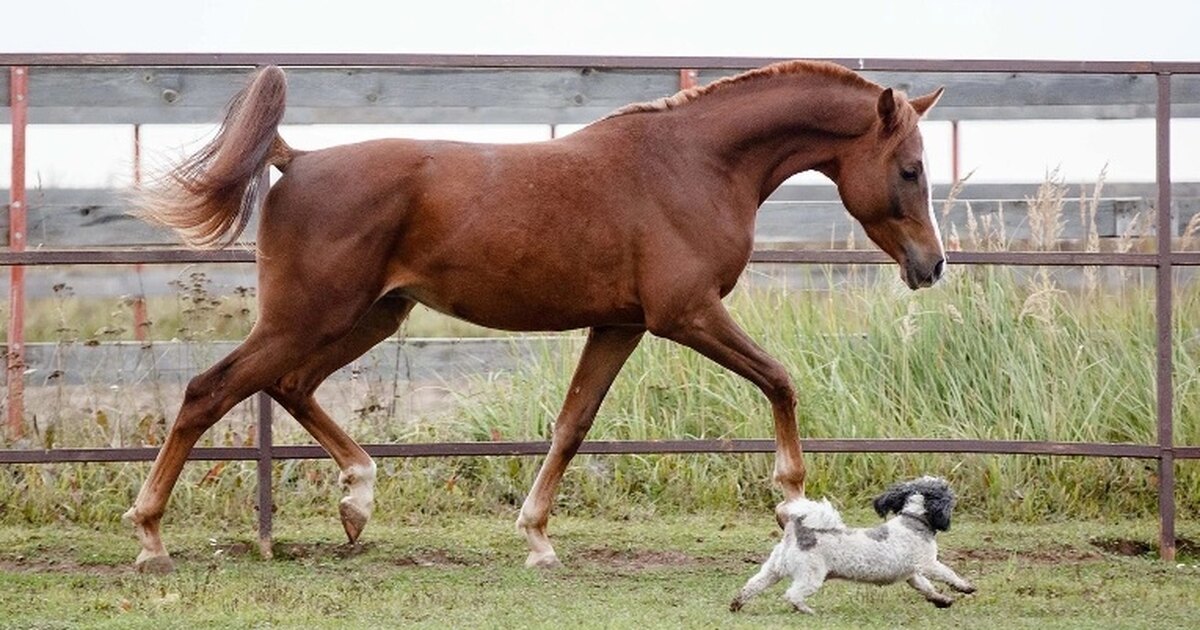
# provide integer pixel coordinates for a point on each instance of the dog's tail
(814, 514)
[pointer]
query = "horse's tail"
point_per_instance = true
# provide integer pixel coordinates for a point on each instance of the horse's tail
(209, 197)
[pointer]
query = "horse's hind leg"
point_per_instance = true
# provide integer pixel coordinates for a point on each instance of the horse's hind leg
(295, 392)
(281, 339)
(249, 368)
(603, 355)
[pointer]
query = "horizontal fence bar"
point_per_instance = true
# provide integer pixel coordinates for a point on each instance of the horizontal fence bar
(797, 256)
(1187, 452)
(621, 447)
(867, 257)
(124, 256)
(587, 61)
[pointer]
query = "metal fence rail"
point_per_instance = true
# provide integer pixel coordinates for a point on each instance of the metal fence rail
(1163, 261)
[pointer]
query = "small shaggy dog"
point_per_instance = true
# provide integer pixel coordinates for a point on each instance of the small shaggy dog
(816, 546)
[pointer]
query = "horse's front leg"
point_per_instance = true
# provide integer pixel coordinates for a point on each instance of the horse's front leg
(603, 355)
(709, 330)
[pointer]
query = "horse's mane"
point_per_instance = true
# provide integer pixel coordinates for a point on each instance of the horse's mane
(813, 68)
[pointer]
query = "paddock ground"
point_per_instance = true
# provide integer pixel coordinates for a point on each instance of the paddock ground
(644, 571)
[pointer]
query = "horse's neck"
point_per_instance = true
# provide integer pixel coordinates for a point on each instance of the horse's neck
(772, 128)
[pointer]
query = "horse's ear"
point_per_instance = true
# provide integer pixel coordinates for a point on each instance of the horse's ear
(887, 109)
(924, 103)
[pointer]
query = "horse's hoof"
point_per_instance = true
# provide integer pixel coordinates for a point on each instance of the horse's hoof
(543, 561)
(354, 519)
(943, 603)
(155, 565)
(735, 605)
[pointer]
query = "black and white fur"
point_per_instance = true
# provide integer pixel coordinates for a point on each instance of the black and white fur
(817, 546)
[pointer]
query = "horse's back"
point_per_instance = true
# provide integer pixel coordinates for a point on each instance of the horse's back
(509, 236)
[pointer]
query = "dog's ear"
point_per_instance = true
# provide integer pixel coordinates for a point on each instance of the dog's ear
(892, 499)
(939, 503)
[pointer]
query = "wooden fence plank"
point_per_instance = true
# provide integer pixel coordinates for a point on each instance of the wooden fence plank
(174, 363)
(539, 95)
(798, 214)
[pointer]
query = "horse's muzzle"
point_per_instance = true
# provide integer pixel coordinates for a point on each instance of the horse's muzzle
(920, 276)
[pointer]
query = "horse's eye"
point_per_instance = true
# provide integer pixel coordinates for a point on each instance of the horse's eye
(909, 174)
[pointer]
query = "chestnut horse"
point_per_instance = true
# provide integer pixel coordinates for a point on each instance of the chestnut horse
(642, 221)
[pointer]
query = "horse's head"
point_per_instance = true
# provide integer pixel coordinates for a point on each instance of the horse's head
(884, 184)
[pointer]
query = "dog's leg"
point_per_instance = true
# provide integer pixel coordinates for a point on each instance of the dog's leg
(763, 580)
(804, 586)
(923, 585)
(943, 573)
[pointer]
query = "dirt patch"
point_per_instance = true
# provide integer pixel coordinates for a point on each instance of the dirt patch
(432, 558)
(229, 550)
(635, 559)
(1122, 546)
(1061, 554)
(322, 552)
(1130, 547)
(22, 565)
(317, 551)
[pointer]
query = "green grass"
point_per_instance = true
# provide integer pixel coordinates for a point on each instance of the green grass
(651, 572)
(986, 355)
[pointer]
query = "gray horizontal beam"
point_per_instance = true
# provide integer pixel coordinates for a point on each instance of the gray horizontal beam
(61, 218)
(542, 95)
(795, 256)
(172, 363)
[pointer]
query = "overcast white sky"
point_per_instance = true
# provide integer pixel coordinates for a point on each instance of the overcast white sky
(1032, 29)
(943, 29)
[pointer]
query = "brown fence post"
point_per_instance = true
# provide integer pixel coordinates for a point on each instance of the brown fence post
(1164, 315)
(19, 86)
(266, 502)
(688, 78)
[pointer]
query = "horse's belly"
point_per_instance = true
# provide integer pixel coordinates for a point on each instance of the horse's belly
(511, 302)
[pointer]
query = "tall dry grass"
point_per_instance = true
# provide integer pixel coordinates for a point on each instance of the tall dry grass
(991, 353)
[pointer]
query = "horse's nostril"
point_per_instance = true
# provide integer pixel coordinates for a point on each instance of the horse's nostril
(938, 268)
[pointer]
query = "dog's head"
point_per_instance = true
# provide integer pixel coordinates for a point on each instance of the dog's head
(928, 497)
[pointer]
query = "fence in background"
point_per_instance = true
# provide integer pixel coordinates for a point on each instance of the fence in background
(178, 88)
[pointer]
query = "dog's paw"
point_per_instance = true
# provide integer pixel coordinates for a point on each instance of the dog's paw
(802, 608)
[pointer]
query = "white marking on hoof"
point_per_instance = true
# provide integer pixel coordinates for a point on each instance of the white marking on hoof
(154, 563)
(355, 508)
(152, 558)
(543, 560)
